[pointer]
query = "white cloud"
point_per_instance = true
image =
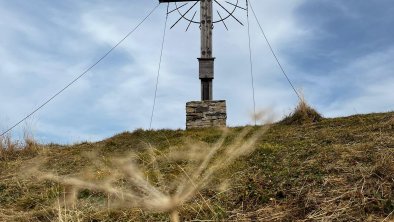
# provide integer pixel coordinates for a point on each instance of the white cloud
(117, 95)
(373, 75)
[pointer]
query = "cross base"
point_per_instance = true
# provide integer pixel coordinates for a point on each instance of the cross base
(204, 114)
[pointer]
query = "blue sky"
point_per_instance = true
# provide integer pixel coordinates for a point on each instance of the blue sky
(338, 52)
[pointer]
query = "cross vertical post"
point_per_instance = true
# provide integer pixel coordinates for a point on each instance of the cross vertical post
(207, 112)
(206, 61)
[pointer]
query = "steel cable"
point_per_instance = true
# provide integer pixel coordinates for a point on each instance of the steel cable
(84, 73)
(159, 68)
(273, 53)
(251, 65)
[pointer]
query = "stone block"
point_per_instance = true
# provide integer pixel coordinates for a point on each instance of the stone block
(203, 114)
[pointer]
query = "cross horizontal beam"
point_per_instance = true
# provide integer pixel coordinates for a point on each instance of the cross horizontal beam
(167, 1)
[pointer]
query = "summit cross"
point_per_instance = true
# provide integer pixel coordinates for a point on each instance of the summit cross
(207, 112)
(206, 60)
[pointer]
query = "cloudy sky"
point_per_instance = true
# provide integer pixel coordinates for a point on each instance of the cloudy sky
(338, 52)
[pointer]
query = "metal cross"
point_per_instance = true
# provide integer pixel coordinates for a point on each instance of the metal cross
(206, 61)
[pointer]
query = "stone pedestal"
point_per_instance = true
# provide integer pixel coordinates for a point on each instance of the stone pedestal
(201, 114)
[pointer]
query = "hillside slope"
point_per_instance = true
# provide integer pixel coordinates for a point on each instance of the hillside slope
(339, 169)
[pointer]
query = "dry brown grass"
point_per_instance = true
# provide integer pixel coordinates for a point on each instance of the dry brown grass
(302, 114)
(147, 187)
(11, 149)
(335, 170)
(7, 147)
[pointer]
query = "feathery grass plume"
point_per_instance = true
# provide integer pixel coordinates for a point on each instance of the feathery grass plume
(7, 146)
(302, 114)
(137, 182)
(10, 148)
(266, 115)
(30, 144)
(2, 147)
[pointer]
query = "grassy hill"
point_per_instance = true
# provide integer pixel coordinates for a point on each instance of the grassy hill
(338, 169)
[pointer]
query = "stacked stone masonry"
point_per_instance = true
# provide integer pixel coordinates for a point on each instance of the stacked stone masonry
(202, 114)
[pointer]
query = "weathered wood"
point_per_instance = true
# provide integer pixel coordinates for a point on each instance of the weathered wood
(206, 60)
(206, 89)
(207, 113)
(206, 68)
(206, 28)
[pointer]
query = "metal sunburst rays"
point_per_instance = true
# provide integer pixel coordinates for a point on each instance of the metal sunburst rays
(224, 10)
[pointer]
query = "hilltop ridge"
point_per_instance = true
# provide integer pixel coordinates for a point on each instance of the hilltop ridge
(339, 169)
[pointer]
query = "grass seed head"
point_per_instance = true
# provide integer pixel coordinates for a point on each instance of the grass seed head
(146, 187)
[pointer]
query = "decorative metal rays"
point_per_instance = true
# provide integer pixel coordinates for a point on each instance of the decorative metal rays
(225, 9)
